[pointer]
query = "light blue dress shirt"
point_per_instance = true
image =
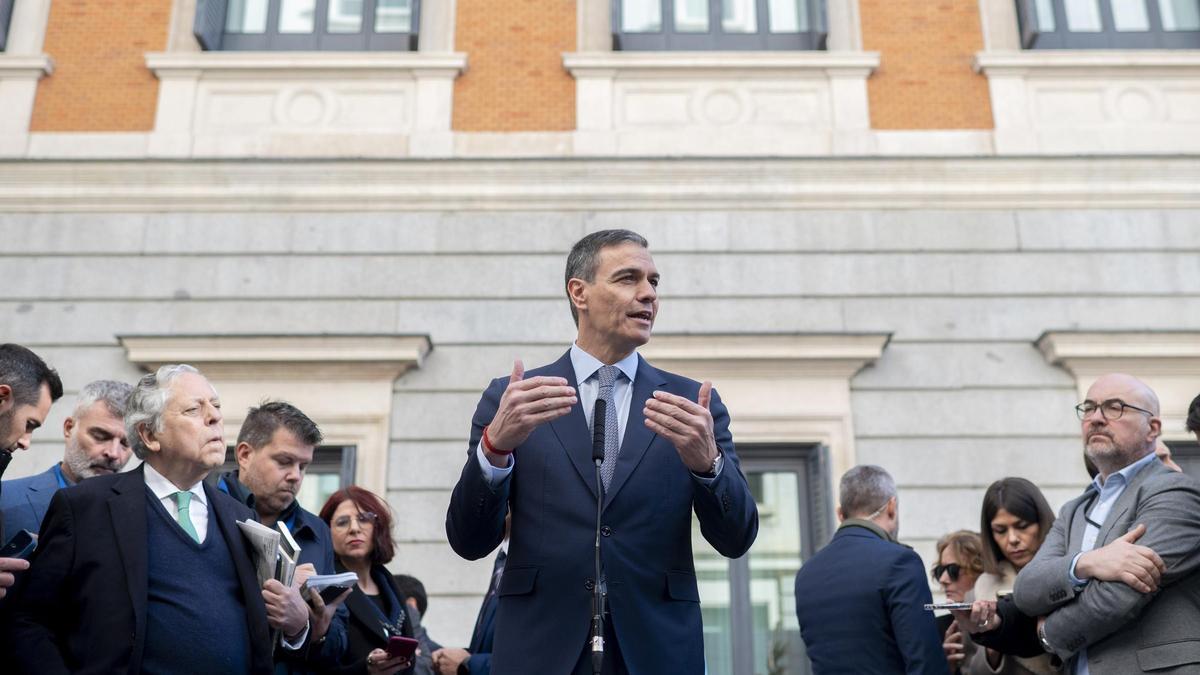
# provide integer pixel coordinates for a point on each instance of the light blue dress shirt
(1110, 491)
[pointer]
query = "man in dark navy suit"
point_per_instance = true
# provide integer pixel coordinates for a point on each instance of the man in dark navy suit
(860, 600)
(667, 452)
(476, 659)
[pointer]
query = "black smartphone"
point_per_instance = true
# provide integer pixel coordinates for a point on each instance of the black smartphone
(331, 593)
(20, 546)
(401, 646)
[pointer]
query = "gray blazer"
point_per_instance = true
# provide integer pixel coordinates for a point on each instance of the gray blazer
(1124, 631)
(24, 501)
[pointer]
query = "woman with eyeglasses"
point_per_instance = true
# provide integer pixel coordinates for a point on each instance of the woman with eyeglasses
(361, 525)
(1015, 520)
(960, 562)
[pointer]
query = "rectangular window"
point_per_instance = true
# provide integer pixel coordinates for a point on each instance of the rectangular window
(716, 25)
(748, 605)
(1187, 455)
(1109, 24)
(306, 25)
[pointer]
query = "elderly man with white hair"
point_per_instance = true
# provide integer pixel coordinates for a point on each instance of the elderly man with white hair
(96, 445)
(147, 571)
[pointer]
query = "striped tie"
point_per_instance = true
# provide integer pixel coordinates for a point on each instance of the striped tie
(612, 442)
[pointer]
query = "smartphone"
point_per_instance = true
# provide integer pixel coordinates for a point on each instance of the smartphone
(401, 646)
(20, 546)
(947, 605)
(329, 593)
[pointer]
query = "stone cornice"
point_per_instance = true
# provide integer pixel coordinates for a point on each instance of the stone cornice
(598, 184)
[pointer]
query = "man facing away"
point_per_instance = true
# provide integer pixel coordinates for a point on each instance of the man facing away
(668, 453)
(28, 387)
(1113, 606)
(860, 600)
(147, 571)
(95, 445)
(274, 448)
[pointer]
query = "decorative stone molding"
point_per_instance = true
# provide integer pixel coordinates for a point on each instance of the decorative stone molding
(778, 388)
(1168, 362)
(303, 104)
(605, 185)
(722, 103)
(1094, 102)
(343, 382)
(19, 75)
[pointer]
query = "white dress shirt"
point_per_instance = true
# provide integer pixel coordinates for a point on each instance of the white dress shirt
(165, 491)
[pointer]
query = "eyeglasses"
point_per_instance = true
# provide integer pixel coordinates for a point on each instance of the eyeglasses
(364, 519)
(1112, 409)
(952, 569)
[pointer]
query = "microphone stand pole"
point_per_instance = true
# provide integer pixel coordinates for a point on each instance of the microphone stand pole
(597, 638)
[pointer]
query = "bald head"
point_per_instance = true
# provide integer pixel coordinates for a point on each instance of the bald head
(1123, 424)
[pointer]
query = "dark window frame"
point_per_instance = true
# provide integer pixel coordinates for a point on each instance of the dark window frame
(1034, 37)
(715, 39)
(211, 14)
(6, 12)
(1187, 455)
(811, 463)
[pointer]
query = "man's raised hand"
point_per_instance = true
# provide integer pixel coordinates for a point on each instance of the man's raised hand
(687, 425)
(525, 405)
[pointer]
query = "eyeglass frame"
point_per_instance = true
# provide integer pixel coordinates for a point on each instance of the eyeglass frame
(363, 518)
(953, 569)
(1084, 414)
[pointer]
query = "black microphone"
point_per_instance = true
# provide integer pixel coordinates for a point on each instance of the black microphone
(598, 417)
(599, 413)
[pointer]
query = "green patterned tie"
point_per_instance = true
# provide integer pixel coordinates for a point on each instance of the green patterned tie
(184, 500)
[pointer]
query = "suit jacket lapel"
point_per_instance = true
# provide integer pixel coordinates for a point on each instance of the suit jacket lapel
(571, 429)
(359, 606)
(1125, 502)
(1078, 521)
(637, 437)
(127, 509)
(256, 611)
(39, 491)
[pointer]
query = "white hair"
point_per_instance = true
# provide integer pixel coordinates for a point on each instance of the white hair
(147, 401)
(114, 395)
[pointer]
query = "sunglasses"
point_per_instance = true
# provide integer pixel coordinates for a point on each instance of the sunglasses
(952, 569)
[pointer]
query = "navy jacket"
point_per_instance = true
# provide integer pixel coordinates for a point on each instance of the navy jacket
(860, 602)
(24, 501)
(480, 661)
(544, 609)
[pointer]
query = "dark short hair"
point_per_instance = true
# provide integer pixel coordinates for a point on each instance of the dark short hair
(1193, 417)
(384, 548)
(26, 372)
(584, 257)
(262, 422)
(412, 587)
(1019, 497)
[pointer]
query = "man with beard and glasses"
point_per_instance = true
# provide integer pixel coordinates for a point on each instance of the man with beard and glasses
(1117, 580)
(274, 448)
(27, 389)
(95, 446)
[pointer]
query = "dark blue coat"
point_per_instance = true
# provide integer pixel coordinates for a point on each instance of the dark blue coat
(545, 594)
(480, 661)
(860, 602)
(24, 501)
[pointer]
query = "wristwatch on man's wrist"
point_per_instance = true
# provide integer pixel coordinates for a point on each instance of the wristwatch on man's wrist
(1041, 633)
(716, 466)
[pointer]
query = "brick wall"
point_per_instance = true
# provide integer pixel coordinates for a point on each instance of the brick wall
(100, 80)
(515, 80)
(925, 79)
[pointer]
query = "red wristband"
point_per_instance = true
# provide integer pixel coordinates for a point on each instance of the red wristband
(487, 445)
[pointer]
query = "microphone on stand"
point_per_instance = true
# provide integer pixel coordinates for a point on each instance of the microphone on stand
(599, 415)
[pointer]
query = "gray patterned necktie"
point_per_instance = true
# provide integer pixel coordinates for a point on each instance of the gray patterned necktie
(612, 442)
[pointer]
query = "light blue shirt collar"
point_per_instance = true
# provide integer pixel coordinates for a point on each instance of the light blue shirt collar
(1125, 475)
(586, 365)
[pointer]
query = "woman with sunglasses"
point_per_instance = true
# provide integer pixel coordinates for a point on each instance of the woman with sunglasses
(361, 525)
(960, 562)
(1015, 520)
